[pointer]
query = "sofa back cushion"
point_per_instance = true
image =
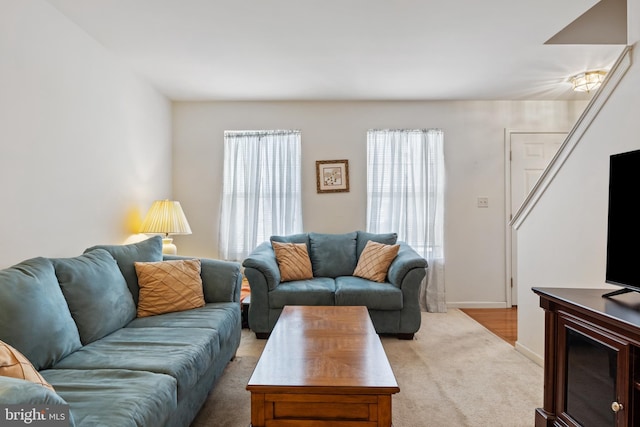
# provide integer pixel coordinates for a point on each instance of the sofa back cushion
(96, 292)
(333, 255)
(384, 238)
(292, 238)
(149, 250)
(34, 317)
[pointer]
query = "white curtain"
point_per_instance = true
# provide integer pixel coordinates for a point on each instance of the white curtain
(405, 194)
(261, 189)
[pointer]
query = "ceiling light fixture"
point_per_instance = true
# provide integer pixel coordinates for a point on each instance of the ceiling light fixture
(588, 81)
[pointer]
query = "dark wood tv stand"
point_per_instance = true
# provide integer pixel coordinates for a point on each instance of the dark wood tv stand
(592, 358)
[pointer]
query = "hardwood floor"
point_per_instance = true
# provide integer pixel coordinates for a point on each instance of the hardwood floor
(501, 321)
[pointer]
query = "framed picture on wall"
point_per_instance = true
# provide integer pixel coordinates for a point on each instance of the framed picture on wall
(332, 176)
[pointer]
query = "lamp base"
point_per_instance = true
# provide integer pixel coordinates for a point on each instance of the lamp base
(168, 248)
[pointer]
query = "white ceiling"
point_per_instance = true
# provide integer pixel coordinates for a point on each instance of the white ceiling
(344, 49)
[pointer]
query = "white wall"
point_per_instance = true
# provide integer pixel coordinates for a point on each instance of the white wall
(562, 242)
(474, 157)
(85, 146)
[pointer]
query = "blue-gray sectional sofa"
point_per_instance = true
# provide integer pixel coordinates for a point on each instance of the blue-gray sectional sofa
(75, 320)
(393, 304)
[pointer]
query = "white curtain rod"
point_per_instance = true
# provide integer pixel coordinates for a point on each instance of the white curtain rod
(406, 130)
(261, 132)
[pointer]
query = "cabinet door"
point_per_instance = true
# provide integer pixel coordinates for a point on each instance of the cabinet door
(593, 380)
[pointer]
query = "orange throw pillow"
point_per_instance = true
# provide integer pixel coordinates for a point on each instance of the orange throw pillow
(293, 261)
(375, 260)
(168, 286)
(14, 364)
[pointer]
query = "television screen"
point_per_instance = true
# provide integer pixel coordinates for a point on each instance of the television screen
(623, 231)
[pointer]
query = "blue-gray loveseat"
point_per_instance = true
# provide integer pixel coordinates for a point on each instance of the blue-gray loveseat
(75, 320)
(393, 304)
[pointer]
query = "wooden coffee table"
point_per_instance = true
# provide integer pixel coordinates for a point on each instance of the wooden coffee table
(322, 367)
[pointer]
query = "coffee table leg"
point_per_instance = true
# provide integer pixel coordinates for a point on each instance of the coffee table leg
(257, 409)
(384, 410)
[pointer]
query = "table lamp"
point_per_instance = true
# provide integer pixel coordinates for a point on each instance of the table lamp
(166, 217)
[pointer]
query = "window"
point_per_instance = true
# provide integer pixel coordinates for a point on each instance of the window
(405, 194)
(261, 189)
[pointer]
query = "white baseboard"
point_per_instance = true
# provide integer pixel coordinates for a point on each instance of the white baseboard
(534, 357)
(475, 304)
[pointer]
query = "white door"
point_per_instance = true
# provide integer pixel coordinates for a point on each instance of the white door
(531, 152)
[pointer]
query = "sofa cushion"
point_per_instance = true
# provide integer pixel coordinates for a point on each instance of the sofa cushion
(96, 292)
(318, 291)
(149, 250)
(293, 261)
(14, 391)
(364, 237)
(168, 286)
(116, 397)
(183, 353)
(14, 364)
(333, 255)
(224, 317)
(373, 295)
(34, 317)
(375, 261)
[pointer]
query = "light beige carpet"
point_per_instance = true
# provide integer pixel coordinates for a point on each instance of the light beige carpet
(454, 373)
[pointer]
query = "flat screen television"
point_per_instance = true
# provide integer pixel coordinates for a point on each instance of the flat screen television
(623, 224)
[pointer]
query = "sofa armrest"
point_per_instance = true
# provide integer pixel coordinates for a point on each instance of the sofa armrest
(263, 259)
(221, 280)
(406, 260)
(263, 274)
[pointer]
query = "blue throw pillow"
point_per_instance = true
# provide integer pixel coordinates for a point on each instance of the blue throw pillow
(333, 255)
(384, 238)
(96, 292)
(149, 250)
(34, 317)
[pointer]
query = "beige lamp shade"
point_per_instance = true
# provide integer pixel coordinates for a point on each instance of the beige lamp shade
(166, 217)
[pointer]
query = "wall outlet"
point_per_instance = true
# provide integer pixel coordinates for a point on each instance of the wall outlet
(483, 202)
